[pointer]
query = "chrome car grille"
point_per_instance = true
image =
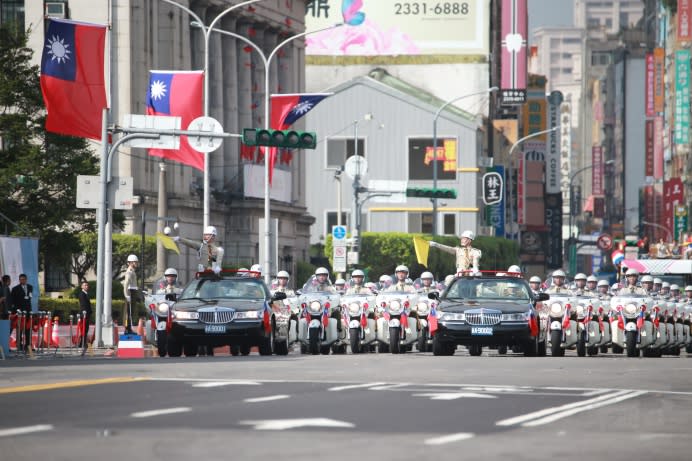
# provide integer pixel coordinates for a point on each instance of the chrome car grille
(483, 317)
(216, 315)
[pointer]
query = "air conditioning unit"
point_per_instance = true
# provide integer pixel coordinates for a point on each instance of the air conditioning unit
(56, 10)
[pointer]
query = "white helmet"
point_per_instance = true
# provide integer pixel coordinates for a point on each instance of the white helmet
(631, 271)
(657, 281)
(468, 234)
(674, 287)
(559, 273)
(688, 288)
(616, 286)
(603, 283)
(449, 279)
(426, 275)
(514, 268)
(535, 279)
(591, 278)
(132, 259)
(321, 271)
(210, 230)
(647, 278)
(401, 268)
(282, 274)
(256, 268)
(580, 276)
(340, 282)
(357, 273)
(384, 278)
(665, 285)
(170, 271)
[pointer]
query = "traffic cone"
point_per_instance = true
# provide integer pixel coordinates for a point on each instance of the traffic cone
(140, 330)
(46, 332)
(116, 333)
(55, 334)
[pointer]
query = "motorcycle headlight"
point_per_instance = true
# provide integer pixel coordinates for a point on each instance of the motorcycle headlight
(556, 309)
(185, 315)
(516, 317)
(315, 307)
(248, 315)
(580, 310)
(422, 308)
(395, 306)
(354, 308)
(630, 309)
(453, 317)
(162, 309)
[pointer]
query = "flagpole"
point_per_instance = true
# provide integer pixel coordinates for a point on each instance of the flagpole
(101, 220)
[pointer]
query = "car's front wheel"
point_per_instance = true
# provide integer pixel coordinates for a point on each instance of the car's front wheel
(190, 350)
(442, 348)
(475, 350)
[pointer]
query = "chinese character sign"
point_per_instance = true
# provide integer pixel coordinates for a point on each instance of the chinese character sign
(682, 97)
(492, 188)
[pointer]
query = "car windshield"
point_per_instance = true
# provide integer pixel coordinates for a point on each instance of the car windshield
(478, 289)
(236, 288)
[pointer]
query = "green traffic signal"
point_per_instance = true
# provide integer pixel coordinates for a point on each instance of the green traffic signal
(288, 139)
(429, 192)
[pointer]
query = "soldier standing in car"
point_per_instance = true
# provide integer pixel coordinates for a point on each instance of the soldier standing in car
(467, 257)
(208, 251)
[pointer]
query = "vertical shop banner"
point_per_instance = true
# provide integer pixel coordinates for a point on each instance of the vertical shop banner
(553, 221)
(682, 97)
(649, 212)
(649, 148)
(513, 57)
(521, 189)
(597, 170)
(495, 214)
(666, 216)
(552, 159)
(649, 85)
(659, 91)
(684, 34)
(680, 226)
(658, 147)
(565, 151)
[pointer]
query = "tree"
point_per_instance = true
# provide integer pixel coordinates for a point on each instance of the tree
(39, 169)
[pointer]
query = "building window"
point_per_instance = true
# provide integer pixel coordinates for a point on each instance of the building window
(12, 11)
(331, 220)
(420, 223)
(449, 224)
(339, 150)
(420, 158)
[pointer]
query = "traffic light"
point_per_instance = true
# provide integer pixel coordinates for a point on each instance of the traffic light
(429, 192)
(288, 139)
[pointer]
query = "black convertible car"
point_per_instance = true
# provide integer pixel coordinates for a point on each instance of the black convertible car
(489, 309)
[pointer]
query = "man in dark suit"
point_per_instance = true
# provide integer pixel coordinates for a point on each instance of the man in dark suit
(84, 312)
(21, 300)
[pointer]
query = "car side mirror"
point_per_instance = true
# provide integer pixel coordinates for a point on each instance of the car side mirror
(279, 296)
(434, 295)
(543, 297)
(172, 297)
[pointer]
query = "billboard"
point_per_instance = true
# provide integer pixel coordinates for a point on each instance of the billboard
(392, 27)
(513, 57)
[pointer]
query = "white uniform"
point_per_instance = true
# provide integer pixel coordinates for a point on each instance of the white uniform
(210, 254)
(632, 289)
(466, 257)
(401, 286)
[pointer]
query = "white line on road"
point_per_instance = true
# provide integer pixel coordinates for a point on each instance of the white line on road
(25, 430)
(548, 411)
(283, 424)
(162, 411)
(564, 414)
(389, 387)
(226, 383)
(455, 395)
(266, 399)
(354, 386)
(448, 438)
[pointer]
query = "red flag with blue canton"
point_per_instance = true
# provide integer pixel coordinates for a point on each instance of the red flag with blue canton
(432, 320)
(72, 78)
(266, 319)
(177, 94)
(533, 324)
(640, 319)
(285, 110)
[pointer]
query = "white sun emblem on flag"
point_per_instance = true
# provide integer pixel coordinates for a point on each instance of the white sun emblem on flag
(158, 90)
(58, 49)
(302, 107)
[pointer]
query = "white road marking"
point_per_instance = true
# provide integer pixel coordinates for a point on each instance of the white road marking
(388, 387)
(354, 386)
(208, 384)
(283, 424)
(564, 414)
(25, 430)
(548, 411)
(162, 411)
(449, 438)
(455, 395)
(266, 399)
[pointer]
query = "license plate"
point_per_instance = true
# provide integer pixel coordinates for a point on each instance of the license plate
(482, 331)
(215, 328)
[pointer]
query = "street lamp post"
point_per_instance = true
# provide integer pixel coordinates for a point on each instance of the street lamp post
(434, 156)
(510, 171)
(659, 226)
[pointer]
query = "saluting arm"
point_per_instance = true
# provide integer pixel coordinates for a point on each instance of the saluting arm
(445, 248)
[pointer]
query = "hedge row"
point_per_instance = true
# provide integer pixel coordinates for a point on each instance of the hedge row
(64, 307)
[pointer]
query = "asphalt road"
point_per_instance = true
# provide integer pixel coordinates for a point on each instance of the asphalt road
(349, 407)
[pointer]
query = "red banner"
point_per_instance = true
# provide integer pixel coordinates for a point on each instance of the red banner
(649, 148)
(513, 57)
(649, 85)
(658, 148)
(597, 170)
(673, 194)
(684, 34)
(659, 99)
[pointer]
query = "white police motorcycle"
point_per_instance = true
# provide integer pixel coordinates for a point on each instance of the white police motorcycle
(396, 329)
(319, 323)
(590, 325)
(631, 325)
(158, 302)
(562, 320)
(284, 322)
(358, 314)
(423, 309)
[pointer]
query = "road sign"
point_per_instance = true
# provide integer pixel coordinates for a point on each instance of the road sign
(338, 232)
(153, 122)
(604, 242)
(205, 143)
(356, 166)
(120, 192)
(339, 254)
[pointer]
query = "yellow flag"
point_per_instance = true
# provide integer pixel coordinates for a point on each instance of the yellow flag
(168, 243)
(422, 247)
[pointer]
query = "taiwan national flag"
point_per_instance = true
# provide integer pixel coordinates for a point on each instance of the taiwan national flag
(177, 94)
(432, 320)
(286, 109)
(72, 78)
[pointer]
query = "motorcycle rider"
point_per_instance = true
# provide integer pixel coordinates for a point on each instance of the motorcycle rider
(674, 293)
(602, 289)
(171, 284)
(514, 269)
(535, 284)
(558, 285)
(357, 288)
(467, 257)
(385, 282)
(282, 284)
(401, 273)
(632, 276)
(647, 283)
(591, 283)
(579, 283)
(209, 252)
(614, 289)
(428, 285)
(688, 294)
(665, 290)
(657, 285)
(340, 285)
(322, 280)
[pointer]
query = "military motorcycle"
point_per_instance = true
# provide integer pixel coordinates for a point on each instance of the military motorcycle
(159, 302)
(284, 322)
(358, 313)
(423, 308)
(590, 325)
(631, 325)
(562, 316)
(319, 325)
(397, 329)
